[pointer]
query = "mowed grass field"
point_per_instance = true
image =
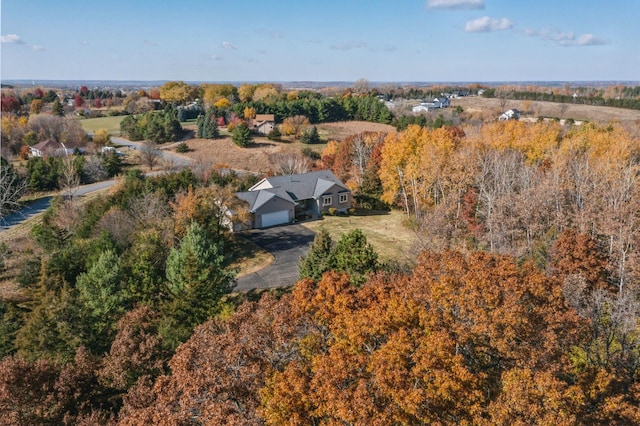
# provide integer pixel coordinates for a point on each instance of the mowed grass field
(385, 231)
(490, 107)
(111, 124)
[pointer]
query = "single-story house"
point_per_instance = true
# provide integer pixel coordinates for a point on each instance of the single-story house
(47, 147)
(425, 107)
(437, 103)
(512, 114)
(279, 200)
(264, 123)
(443, 101)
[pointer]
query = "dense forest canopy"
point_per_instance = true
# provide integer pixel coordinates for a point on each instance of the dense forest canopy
(521, 306)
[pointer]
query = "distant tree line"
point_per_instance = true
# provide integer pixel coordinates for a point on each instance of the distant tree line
(156, 126)
(596, 100)
(319, 109)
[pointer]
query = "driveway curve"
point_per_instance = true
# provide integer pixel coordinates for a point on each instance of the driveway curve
(288, 244)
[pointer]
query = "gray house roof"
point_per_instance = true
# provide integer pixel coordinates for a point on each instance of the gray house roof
(257, 199)
(302, 186)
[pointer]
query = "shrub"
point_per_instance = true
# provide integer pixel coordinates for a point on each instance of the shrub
(310, 153)
(332, 211)
(182, 147)
(275, 134)
(351, 210)
(310, 136)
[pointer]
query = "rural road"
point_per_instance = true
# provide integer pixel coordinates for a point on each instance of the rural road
(41, 204)
(38, 206)
(287, 244)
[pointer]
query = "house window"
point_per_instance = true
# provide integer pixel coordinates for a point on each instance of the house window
(344, 198)
(327, 201)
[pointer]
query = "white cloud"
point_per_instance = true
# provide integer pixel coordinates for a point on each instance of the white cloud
(11, 38)
(486, 24)
(215, 58)
(567, 38)
(455, 4)
(590, 40)
(229, 45)
(37, 47)
(349, 45)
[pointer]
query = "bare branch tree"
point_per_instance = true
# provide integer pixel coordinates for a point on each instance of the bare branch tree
(69, 180)
(289, 163)
(12, 187)
(47, 126)
(361, 154)
(149, 154)
(94, 169)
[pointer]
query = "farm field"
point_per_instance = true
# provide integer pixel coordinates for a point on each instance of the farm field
(598, 114)
(111, 124)
(255, 158)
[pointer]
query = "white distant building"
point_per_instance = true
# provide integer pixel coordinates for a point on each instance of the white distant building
(424, 107)
(47, 147)
(512, 114)
(437, 103)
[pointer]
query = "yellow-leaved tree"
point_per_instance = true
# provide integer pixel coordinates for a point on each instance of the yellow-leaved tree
(178, 91)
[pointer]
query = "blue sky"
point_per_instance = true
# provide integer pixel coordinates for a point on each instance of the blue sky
(328, 40)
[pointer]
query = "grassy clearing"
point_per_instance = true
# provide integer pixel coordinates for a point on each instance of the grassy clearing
(112, 124)
(384, 230)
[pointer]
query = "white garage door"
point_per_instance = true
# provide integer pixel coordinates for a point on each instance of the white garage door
(275, 218)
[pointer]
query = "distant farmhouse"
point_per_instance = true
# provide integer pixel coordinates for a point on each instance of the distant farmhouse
(282, 199)
(49, 147)
(437, 103)
(52, 148)
(264, 123)
(512, 114)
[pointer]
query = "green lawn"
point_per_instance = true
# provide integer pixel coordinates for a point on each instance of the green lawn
(112, 124)
(385, 231)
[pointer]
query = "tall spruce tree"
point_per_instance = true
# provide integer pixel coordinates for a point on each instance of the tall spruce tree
(355, 256)
(241, 135)
(207, 126)
(319, 258)
(197, 277)
(57, 108)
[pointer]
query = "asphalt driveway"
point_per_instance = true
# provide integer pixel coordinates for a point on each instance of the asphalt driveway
(288, 244)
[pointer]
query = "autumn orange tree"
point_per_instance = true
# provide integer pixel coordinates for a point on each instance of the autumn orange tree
(353, 156)
(465, 339)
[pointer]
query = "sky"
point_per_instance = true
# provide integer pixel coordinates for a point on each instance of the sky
(328, 40)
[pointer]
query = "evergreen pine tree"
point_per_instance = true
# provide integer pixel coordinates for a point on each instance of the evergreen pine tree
(57, 108)
(319, 258)
(310, 136)
(355, 256)
(207, 126)
(241, 135)
(197, 278)
(104, 298)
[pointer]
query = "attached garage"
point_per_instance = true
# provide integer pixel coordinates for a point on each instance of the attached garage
(275, 218)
